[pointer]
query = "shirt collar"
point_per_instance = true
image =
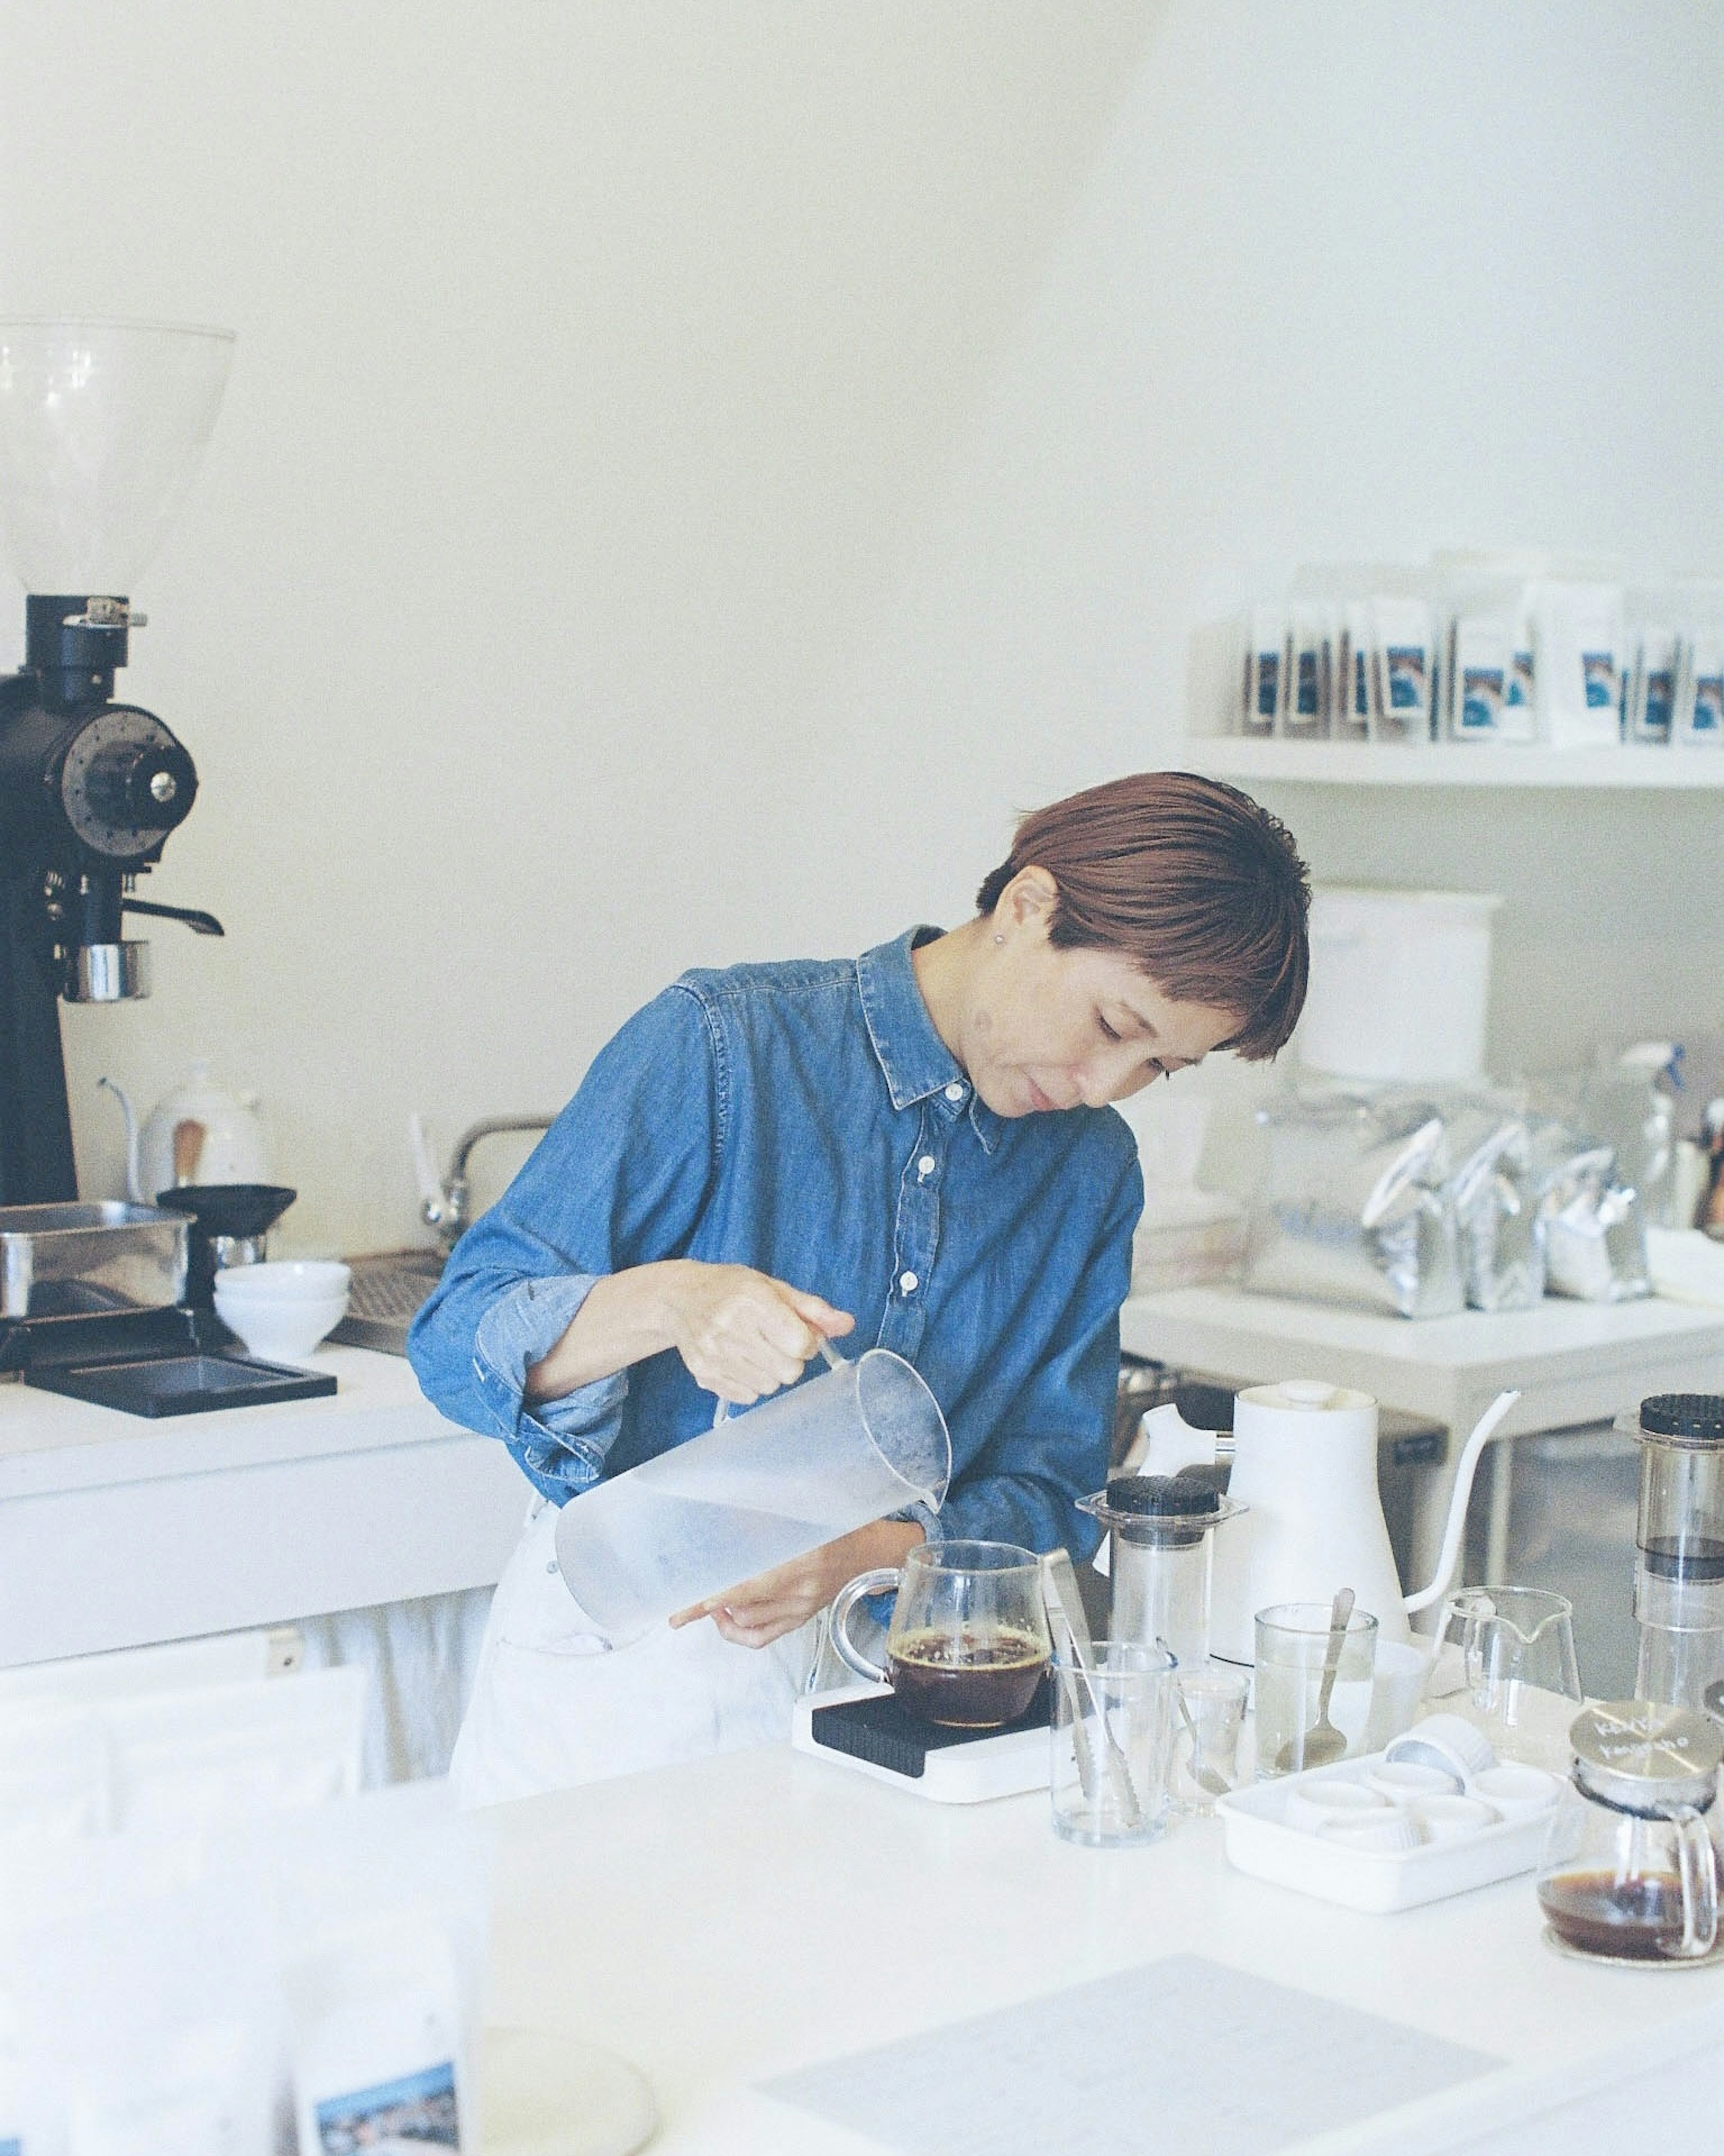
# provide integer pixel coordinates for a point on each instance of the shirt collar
(913, 1059)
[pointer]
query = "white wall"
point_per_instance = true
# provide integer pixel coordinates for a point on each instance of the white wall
(692, 471)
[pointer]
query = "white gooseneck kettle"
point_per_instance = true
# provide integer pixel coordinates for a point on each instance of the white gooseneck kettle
(1304, 1459)
(197, 1133)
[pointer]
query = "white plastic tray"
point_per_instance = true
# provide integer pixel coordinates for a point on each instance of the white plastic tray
(1258, 1841)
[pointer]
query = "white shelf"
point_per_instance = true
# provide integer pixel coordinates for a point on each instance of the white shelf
(1455, 763)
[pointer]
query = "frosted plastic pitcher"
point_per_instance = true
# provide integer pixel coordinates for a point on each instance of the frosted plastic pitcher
(862, 1440)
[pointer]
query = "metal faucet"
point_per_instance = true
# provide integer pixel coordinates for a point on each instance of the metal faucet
(444, 1198)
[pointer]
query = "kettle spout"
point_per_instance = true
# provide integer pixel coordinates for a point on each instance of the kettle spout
(1484, 1430)
(131, 1140)
(1166, 1442)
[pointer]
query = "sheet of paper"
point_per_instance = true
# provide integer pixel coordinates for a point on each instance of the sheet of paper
(1178, 2056)
(1655, 2089)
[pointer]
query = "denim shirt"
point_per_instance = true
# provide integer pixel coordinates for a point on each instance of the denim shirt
(807, 1120)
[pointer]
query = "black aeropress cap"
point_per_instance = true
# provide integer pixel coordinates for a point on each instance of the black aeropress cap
(1691, 1418)
(1185, 1504)
(1162, 1496)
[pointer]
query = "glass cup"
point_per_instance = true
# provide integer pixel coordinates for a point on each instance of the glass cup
(1209, 1713)
(1504, 1660)
(1300, 1693)
(1113, 1730)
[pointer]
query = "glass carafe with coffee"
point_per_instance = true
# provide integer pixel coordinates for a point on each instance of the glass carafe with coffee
(1630, 1872)
(968, 1641)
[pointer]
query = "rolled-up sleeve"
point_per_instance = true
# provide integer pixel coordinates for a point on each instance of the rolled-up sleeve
(618, 1180)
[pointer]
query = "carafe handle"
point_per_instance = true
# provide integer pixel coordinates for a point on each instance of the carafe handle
(834, 1361)
(881, 1581)
(1697, 1867)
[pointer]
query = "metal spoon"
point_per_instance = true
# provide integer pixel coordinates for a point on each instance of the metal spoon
(1065, 1606)
(1203, 1775)
(1323, 1743)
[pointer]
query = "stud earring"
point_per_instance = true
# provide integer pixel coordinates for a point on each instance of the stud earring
(999, 939)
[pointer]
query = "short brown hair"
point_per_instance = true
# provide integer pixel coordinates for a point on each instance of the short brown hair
(1202, 889)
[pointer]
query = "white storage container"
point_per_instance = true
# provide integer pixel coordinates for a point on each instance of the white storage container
(1400, 983)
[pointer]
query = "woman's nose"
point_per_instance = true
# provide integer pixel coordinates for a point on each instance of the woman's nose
(1097, 1084)
(1120, 1084)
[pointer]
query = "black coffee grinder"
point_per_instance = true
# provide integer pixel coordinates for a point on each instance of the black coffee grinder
(90, 791)
(101, 424)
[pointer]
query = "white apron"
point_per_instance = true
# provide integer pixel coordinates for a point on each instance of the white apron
(554, 1706)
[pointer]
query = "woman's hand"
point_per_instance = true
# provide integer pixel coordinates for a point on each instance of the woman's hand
(763, 1609)
(743, 1333)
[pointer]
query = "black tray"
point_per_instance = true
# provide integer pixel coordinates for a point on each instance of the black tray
(181, 1384)
(887, 1734)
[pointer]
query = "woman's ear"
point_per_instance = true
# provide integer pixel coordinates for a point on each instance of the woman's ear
(1028, 899)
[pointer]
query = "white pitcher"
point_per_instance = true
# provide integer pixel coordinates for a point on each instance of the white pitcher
(1303, 1458)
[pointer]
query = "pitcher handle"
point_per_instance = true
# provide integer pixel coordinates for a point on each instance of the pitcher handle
(1697, 1866)
(881, 1581)
(834, 1361)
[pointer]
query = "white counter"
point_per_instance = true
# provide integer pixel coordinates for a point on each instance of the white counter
(1571, 1362)
(116, 1530)
(722, 1922)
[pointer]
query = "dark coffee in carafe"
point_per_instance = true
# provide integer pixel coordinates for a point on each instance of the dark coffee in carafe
(1638, 1918)
(969, 1679)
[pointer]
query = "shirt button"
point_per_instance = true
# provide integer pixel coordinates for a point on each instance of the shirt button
(925, 1166)
(954, 1091)
(908, 1283)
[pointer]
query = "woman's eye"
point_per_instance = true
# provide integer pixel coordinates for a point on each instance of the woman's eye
(1107, 1031)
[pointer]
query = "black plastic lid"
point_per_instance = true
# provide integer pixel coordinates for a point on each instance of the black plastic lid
(1162, 1496)
(1697, 1416)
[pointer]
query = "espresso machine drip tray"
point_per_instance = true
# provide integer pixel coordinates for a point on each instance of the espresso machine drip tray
(182, 1385)
(150, 1363)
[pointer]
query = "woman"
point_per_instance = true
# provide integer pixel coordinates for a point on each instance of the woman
(914, 1148)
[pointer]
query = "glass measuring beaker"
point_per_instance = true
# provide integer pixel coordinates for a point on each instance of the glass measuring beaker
(862, 1440)
(1503, 1659)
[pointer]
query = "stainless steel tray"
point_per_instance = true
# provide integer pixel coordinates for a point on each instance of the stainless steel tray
(81, 1260)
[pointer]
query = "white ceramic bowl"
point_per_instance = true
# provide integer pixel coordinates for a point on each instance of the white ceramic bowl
(1403, 1780)
(280, 1332)
(1454, 1819)
(1310, 1810)
(1517, 1793)
(286, 1280)
(1390, 1832)
(1447, 1742)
